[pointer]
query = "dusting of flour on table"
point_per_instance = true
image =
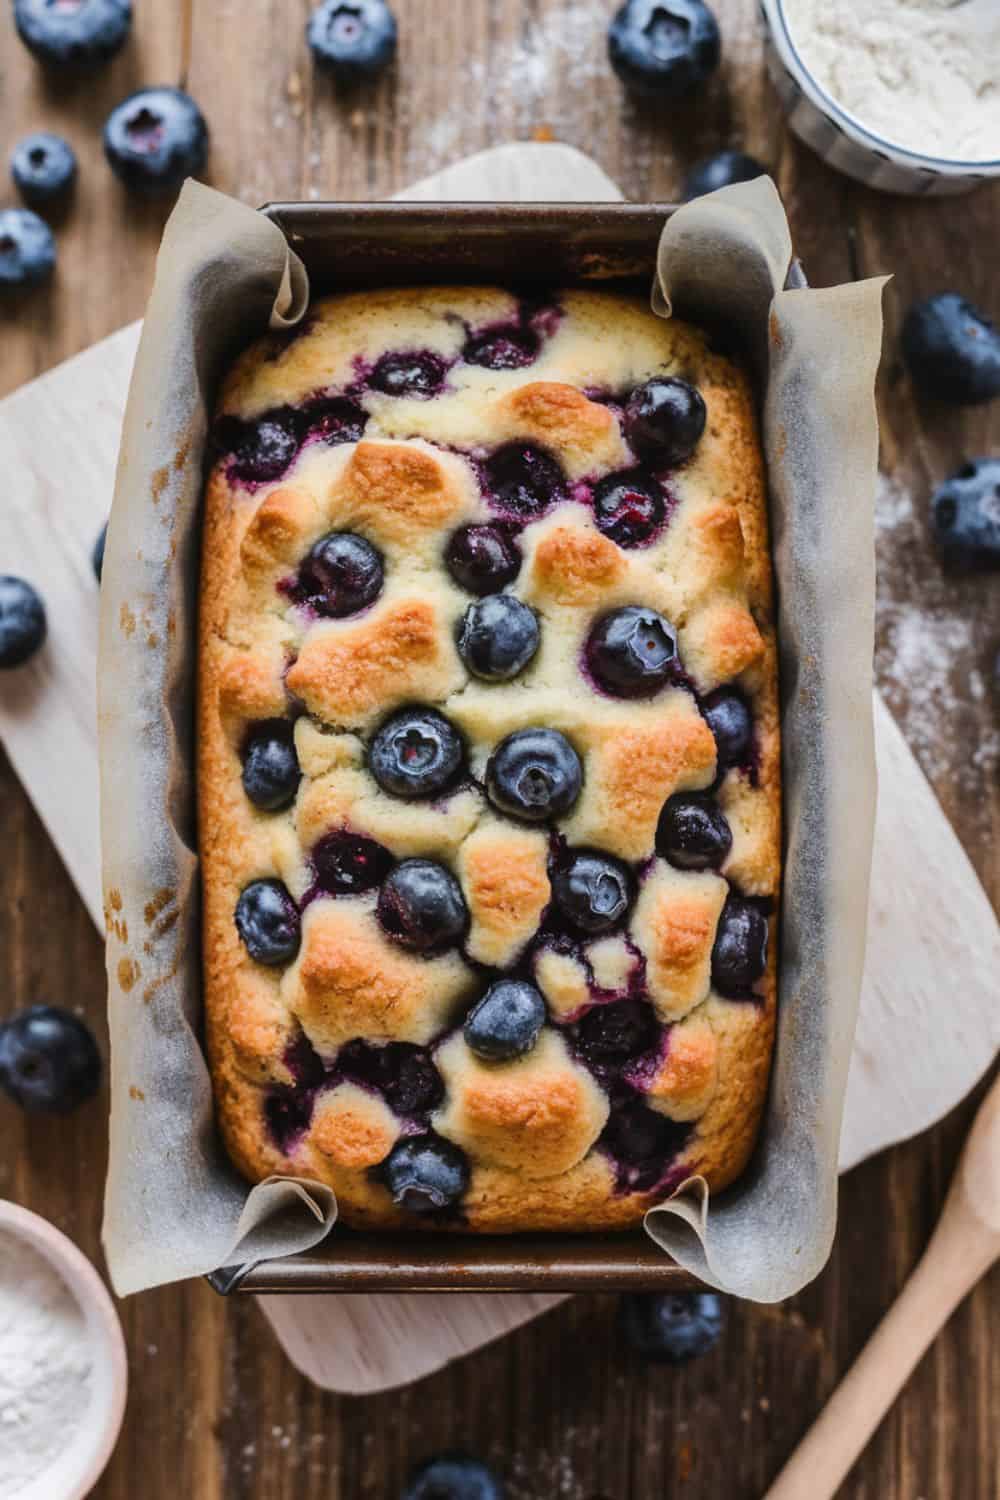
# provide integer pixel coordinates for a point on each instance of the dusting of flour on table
(45, 1365)
(925, 74)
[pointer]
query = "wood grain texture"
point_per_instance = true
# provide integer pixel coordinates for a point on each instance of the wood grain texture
(215, 1409)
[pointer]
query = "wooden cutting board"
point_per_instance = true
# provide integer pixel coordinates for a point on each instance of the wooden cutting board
(930, 1021)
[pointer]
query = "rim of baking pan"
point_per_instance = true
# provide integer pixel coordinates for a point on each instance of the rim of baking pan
(588, 241)
(774, 11)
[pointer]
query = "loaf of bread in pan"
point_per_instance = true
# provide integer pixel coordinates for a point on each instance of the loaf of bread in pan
(488, 759)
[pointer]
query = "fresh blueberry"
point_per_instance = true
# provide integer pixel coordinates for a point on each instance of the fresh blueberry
(78, 32)
(22, 621)
(416, 753)
(48, 1060)
(506, 1022)
(408, 375)
(337, 420)
(425, 1174)
(664, 420)
(727, 714)
(422, 907)
(632, 652)
(670, 1327)
(27, 248)
(348, 863)
(97, 556)
(664, 49)
(342, 574)
(629, 508)
(482, 559)
(616, 1031)
(524, 480)
(262, 450)
(966, 512)
(593, 890)
(270, 765)
(454, 1477)
(354, 39)
(534, 774)
(268, 922)
(739, 954)
(642, 1144)
(43, 167)
(719, 171)
(155, 138)
(952, 350)
(502, 349)
(497, 637)
(693, 833)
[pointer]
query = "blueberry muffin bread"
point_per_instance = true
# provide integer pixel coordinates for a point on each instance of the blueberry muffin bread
(488, 759)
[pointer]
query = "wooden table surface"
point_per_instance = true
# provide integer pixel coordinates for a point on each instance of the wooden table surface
(560, 1407)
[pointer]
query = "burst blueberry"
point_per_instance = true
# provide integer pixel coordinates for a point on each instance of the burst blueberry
(22, 621)
(617, 1031)
(670, 1327)
(262, 450)
(592, 890)
(664, 49)
(524, 480)
(720, 171)
(664, 420)
(48, 1060)
(502, 349)
(155, 138)
(739, 954)
(727, 714)
(506, 1022)
(425, 1174)
(693, 833)
(336, 420)
(952, 350)
(421, 906)
(497, 637)
(482, 559)
(629, 508)
(43, 167)
(534, 775)
(632, 652)
(966, 516)
(408, 375)
(642, 1144)
(410, 1082)
(353, 39)
(454, 1477)
(270, 765)
(347, 864)
(268, 922)
(79, 33)
(27, 249)
(416, 753)
(342, 574)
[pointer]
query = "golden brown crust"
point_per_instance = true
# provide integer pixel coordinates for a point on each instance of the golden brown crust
(532, 1130)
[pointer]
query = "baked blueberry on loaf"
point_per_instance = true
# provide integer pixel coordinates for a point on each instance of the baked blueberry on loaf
(489, 759)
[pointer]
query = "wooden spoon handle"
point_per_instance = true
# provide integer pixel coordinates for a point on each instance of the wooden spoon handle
(960, 1251)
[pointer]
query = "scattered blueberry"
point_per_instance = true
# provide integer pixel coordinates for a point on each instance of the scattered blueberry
(416, 753)
(524, 480)
(155, 138)
(337, 420)
(425, 1174)
(80, 32)
(506, 1021)
(664, 419)
(354, 39)
(642, 1143)
(22, 621)
(632, 652)
(727, 714)
(966, 513)
(739, 954)
(262, 450)
(43, 167)
(593, 890)
(952, 350)
(497, 637)
(27, 248)
(268, 922)
(454, 1477)
(670, 1327)
(341, 574)
(720, 171)
(534, 774)
(629, 508)
(348, 863)
(48, 1059)
(97, 556)
(502, 349)
(408, 375)
(616, 1031)
(482, 559)
(270, 765)
(422, 907)
(664, 49)
(693, 833)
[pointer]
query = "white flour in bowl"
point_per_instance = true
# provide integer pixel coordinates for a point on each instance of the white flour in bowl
(924, 74)
(45, 1365)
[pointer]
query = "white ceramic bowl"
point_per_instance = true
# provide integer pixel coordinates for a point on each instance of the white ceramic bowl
(83, 1460)
(843, 141)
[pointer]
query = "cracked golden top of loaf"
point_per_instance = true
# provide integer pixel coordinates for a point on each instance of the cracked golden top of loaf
(489, 794)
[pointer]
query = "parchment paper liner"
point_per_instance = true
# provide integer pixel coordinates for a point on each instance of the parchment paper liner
(174, 1206)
